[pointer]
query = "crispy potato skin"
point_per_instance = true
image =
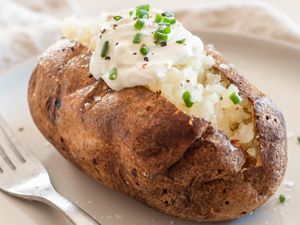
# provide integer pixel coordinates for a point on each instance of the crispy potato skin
(138, 143)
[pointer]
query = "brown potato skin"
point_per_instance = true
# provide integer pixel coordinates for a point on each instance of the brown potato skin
(137, 142)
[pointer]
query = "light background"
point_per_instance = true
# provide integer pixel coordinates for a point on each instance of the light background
(93, 7)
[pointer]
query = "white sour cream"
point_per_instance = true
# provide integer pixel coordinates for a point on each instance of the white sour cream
(123, 54)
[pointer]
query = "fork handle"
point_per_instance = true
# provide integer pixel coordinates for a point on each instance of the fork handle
(75, 214)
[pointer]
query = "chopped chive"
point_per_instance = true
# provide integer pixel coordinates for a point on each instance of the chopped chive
(130, 12)
(168, 14)
(281, 198)
(158, 18)
(144, 50)
(170, 20)
(117, 18)
(139, 24)
(141, 13)
(187, 99)
(137, 38)
(105, 48)
(166, 20)
(235, 98)
(182, 41)
(113, 73)
(164, 24)
(144, 7)
(173, 21)
(164, 29)
(298, 138)
(160, 36)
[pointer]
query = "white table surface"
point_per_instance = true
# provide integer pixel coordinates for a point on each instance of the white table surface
(92, 7)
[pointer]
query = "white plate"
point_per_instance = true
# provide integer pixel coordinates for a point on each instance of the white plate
(272, 67)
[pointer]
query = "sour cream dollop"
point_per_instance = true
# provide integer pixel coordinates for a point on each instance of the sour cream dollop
(133, 68)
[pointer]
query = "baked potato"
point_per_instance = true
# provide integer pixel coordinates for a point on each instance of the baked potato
(138, 142)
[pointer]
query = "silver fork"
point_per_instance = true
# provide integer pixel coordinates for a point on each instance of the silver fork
(23, 175)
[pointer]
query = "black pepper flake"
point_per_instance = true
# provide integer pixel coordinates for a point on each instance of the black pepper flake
(103, 31)
(100, 36)
(188, 81)
(158, 92)
(163, 44)
(57, 103)
(72, 49)
(134, 172)
(95, 162)
(21, 129)
(115, 26)
(107, 58)
(117, 43)
(134, 53)
(146, 59)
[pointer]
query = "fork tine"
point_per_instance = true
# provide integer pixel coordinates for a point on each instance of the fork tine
(4, 164)
(11, 147)
(7, 154)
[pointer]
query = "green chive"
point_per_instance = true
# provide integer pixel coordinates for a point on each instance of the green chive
(105, 48)
(141, 13)
(281, 198)
(164, 29)
(164, 24)
(182, 41)
(137, 38)
(139, 24)
(170, 20)
(130, 12)
(235, 98)
(144, 7)
(187, 99)
(113, 73)
(168, 14)
(298, 138)
(173, 21)
(158, 18)
(160, 36)
(144, 50)
(117, 18)
(166, 20)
